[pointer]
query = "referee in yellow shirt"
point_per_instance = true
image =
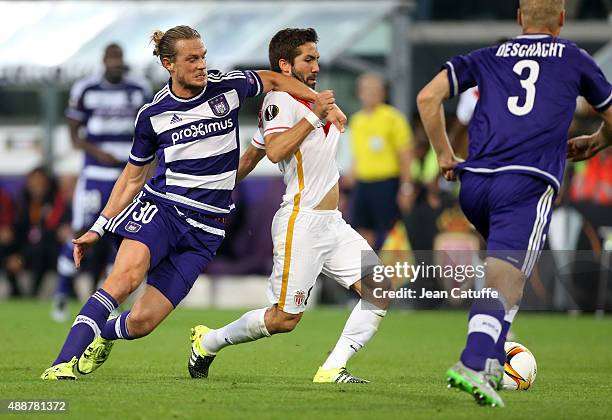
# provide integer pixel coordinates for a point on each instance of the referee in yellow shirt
(381, 141)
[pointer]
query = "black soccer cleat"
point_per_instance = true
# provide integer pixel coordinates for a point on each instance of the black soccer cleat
(199, 360)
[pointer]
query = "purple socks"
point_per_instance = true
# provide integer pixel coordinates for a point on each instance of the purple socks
(485, 329)
(116, 328)
(87, 325)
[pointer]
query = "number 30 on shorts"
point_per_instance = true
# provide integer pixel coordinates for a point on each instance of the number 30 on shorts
(145, 214)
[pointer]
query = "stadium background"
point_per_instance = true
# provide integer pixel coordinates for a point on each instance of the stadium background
(47, 45)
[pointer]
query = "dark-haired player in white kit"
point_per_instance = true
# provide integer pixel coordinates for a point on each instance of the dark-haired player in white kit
(309, 234)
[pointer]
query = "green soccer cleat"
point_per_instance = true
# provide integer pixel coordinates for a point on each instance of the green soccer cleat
(61, 371)
(336, 375)
(94, 355)
(199, 360)
(482, 386)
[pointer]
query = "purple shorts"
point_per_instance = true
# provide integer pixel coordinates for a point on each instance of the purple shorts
(511, 211)
(90, 195)
(182, 242)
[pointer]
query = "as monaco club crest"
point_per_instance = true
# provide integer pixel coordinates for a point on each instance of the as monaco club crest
(299, 297)
(219, 105)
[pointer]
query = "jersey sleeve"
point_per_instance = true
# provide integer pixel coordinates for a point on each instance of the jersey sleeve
(278, 113)
(145, 144)
(593, 84)
(460, 73)
(247, 82)
(76, 109)
(257, 140)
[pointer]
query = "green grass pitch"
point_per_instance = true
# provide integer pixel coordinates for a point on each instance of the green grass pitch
(405, 361)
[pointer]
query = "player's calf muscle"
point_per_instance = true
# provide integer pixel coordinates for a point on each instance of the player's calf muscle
(506, 279)
(278, 321)
(141, 324)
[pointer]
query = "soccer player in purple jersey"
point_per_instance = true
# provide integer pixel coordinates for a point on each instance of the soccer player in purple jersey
(517, 152)
(171, 228)
(100, 117)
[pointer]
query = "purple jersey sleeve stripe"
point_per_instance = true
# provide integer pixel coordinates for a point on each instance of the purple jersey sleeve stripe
(605, 104)
(258, 80)
(75, 114)
(138, 161)
(452, 79)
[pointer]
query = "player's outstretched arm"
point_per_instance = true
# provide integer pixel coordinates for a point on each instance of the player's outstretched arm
(125, 189)
(429, 102)
(248, 161)
(280, 146)
(585, 147)
(276, 81)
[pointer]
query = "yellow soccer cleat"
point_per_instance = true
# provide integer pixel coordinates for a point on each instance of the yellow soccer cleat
(61, 371)
(336, 375)
(94, 355)
(199, 359)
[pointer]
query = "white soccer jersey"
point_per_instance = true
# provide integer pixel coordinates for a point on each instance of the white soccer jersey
(467, 105)
(312, 171)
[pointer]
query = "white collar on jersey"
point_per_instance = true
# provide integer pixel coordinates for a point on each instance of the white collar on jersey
(534, 36)
(199, 95)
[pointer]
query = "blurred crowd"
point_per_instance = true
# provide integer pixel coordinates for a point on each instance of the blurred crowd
(32, 225)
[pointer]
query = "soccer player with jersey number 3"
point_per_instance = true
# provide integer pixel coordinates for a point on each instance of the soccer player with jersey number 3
(517, 152)
(170, 229)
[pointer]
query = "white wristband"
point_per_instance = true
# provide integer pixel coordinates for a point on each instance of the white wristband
(98, 225)
(312, 118)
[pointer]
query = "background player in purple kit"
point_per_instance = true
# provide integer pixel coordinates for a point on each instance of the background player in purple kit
(100, 116)
(518, 146)
(170, 229)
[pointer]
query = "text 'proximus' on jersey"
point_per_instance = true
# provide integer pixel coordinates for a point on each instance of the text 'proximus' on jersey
(196, 142)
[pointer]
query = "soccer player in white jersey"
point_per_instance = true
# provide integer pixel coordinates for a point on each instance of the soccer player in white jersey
(310, 237)
(171, 227)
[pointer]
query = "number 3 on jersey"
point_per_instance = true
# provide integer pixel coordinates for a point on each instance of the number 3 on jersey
(146, 214)
(528, 84)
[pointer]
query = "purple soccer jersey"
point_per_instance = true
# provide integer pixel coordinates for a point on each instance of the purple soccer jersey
(178, 214)
(107, 111)
(528, 89)
(196, 141)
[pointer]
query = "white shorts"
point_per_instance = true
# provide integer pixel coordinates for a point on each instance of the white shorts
(316, 241)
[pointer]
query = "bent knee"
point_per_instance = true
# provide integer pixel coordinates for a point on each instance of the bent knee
(121, 284)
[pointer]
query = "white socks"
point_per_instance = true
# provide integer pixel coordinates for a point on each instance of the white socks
(361, 325)
(249, 327)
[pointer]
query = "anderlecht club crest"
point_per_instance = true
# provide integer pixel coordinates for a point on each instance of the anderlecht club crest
(219, 106)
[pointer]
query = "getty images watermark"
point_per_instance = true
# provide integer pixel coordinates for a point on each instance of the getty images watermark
(406, 272)
(558, 280)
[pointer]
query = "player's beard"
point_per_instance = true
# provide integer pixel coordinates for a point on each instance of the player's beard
(311, 84)
(194, 89)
